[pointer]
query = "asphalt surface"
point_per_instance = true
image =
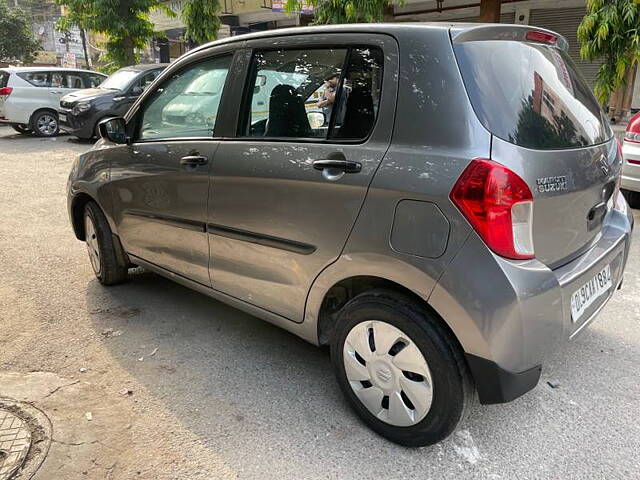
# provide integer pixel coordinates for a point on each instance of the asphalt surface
(216, 393)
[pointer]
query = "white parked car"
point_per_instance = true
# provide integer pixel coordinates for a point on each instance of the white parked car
(30, 96)
(631, 166)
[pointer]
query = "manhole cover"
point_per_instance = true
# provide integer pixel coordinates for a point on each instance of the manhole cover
(15, 440)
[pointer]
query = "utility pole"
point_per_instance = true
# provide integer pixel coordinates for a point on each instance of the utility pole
(490, 11)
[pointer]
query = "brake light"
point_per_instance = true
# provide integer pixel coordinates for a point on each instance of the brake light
(633, 129)
(499, 206)
(5, 91)
(542, 37)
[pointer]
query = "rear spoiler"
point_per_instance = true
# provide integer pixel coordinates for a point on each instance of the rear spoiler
(515, 33)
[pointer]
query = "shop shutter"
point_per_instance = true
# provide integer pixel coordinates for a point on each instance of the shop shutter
(565, 21)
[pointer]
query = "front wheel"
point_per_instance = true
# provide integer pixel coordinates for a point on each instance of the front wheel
(45, 124)
(399, 367)
(107, 259)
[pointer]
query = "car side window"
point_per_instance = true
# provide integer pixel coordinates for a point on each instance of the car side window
(361, 93)
(58, 80)
(74, 80)
(37, 79)
(91, 80)
(145, 80)
(290, 92)
(185, 104)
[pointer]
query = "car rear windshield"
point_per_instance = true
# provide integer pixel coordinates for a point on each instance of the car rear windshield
(530, 94)
(4, 79)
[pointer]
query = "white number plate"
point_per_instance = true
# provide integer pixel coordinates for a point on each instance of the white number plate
(62, 117)
(599, 284)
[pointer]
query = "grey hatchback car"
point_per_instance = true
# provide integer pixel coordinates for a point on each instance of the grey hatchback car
(440, 204)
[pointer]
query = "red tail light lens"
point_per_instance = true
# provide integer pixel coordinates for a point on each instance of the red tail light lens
(541, 37)
(5, 91)
(633, 129)
(499, 206)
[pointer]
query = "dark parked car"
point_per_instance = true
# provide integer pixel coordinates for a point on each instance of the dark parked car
(80, 111)
(455, 217)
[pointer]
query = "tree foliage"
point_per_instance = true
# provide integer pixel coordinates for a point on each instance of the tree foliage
(201, 21)
(611, 29)
(16, 40)
(343, 11)
(125, 23)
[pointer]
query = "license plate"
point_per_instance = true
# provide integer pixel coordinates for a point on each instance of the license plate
(62, 117)
(588, 293)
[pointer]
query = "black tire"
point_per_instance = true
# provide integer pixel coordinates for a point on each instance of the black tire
(633, 198)
(453, 391)
(52, 124)
(21, 128)
(113, 260)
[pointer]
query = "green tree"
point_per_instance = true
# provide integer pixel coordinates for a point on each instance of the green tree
(201, 21)
(16, 41)
(344, 11)
(125, 23)
(611, 30)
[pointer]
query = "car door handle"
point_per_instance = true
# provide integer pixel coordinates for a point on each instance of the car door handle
(346, 166)
(193, 160)
(56, 93)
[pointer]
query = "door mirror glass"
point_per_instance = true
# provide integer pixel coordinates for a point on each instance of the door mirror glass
(316, 119)
(114, 130)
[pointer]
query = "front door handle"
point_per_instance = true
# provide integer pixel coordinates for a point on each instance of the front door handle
(346, 166)
(193, 160)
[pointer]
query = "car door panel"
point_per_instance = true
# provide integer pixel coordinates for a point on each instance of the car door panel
(275, 221)
(160, 186)
(160, 205)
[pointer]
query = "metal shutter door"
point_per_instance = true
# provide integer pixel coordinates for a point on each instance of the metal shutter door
(565, 21)
(504, 18)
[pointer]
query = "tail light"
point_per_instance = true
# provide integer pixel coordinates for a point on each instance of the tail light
(499, 206)
(541, 37)
(5, 91)
(633, 129)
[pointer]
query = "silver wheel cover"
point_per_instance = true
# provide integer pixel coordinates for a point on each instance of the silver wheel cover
(392, 379)
(91, 240)
(47, 124)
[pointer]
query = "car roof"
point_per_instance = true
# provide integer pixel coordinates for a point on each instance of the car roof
(47, 69)
(145, 66)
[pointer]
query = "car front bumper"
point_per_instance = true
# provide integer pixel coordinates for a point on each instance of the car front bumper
(513, 314)
(80, 126)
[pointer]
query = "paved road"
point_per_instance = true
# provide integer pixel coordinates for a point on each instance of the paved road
(228, 396)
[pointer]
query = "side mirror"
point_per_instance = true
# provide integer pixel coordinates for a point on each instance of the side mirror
(137, 91)
(316, 119)
(113, 129)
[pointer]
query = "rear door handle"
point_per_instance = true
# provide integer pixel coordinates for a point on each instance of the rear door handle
(346, 166)
(193, 160)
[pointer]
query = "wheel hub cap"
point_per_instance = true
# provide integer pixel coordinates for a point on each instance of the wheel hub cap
(388, 373)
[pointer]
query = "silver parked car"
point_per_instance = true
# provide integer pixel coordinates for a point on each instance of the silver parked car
(455, 217)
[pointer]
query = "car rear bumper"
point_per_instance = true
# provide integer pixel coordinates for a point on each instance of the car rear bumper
(510, 315)
(631, 166)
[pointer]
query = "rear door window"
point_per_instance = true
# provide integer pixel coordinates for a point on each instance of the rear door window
(530, 94)
(37, 79)
(316, 94)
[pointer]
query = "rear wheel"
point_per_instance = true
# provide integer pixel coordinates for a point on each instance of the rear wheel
(633, 198)
(400, 369)
(45, 123)
(105, 253)
(21, 128)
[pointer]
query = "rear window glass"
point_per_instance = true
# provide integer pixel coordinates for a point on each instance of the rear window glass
(4, 79)
(530, 94)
